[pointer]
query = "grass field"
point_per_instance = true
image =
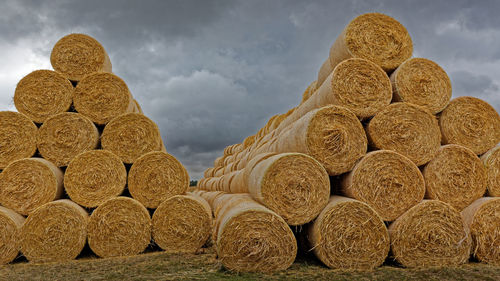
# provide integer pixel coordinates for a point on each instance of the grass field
(204, 266)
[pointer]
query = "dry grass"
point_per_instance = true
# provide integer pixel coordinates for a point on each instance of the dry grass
(10, 224)
(18, 145)
(491, 161)
(308, 92)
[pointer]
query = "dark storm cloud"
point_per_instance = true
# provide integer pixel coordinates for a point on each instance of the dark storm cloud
(211, 73)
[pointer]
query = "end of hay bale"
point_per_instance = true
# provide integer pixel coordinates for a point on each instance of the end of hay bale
(491, 161)
(10, 224)
(307, 93)
(54, 232)
(18, 136)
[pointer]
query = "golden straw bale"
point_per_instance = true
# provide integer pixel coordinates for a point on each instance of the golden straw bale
(130, 136)
(482, 218)
(219, 171)
(349, 234)
(138, 108)
(120, 226)
(387, 181)
(455, 176)
(64, 136)
(102, 96)
(76, 55)
(491, 161)
(18, 135)
(422, 82)
(470, 122)
(408, 129)
(10, 225)
(248, 141)
(182, 223)
(432, 233)
(155, 177)
(208, 172)
(308, 92)
(43, 93)
(218, 161)
(28, 183)
(94, 176)
(54, 232)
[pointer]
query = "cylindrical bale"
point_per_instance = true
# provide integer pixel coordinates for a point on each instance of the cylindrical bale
(10, 225)
(182, 223)
(138, 108)
(219, 171)
(54, 232)
(248, 141)
(308, 92)
(491, 161)
(102, 96)
(482, 218)
(64, 136)
(120, 226)
(293, 185)
(93, 177)
(43, 93)
(349, 234)
(155, 177)
(18, 135)
(455, 176)
(408, 129)
(208, 172)
(387, 181)
(422, 82)
(432, 233)
(130, 136)
(218, 161)
(472, 123)
(252, 238)
(76, 55)
(29, 183)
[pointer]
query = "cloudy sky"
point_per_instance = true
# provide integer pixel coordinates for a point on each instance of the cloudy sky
(210, 73)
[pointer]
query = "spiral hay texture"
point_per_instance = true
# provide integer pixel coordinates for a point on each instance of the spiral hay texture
(182, 223)
(472, 123)
(54, 232)
(10, 226)
(76, 55)
(455, 176)
(422, 82)
(491, 161)
(43, 93)
(348, 234)
(293, 185)
(120, 226)
(155, 177)
(102, 96)
(483, 220)
(94, 177)
(64, 136)
(387, 181)
(18, 136)
(431, 233)
(29, 183)
(407, 129)
(130, 136)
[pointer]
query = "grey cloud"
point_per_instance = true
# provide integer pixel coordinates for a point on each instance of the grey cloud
(481, 86)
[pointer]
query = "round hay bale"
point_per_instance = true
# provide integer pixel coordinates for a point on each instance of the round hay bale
(54, 232)
(483, 220)
(248, 141)
(472, 123)
(120, 226)
(18, 135)
(491, 161)
(349, 234)
(208, 172)
(155, 177)
(182, 223)
(422, 82)
(102, 96)
(28, 183)
(455, 176)
(138, 108)
(293, 185)
(93, 177)
(10, 224)
(130, 136)
(43, 93)
(387, 181)
(408, 129)
(252, 238)
(431, 233)
(308, 92)
(64, 136)
(76, 55)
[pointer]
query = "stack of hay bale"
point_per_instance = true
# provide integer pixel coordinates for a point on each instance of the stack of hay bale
(80, 162)
(409, 168)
